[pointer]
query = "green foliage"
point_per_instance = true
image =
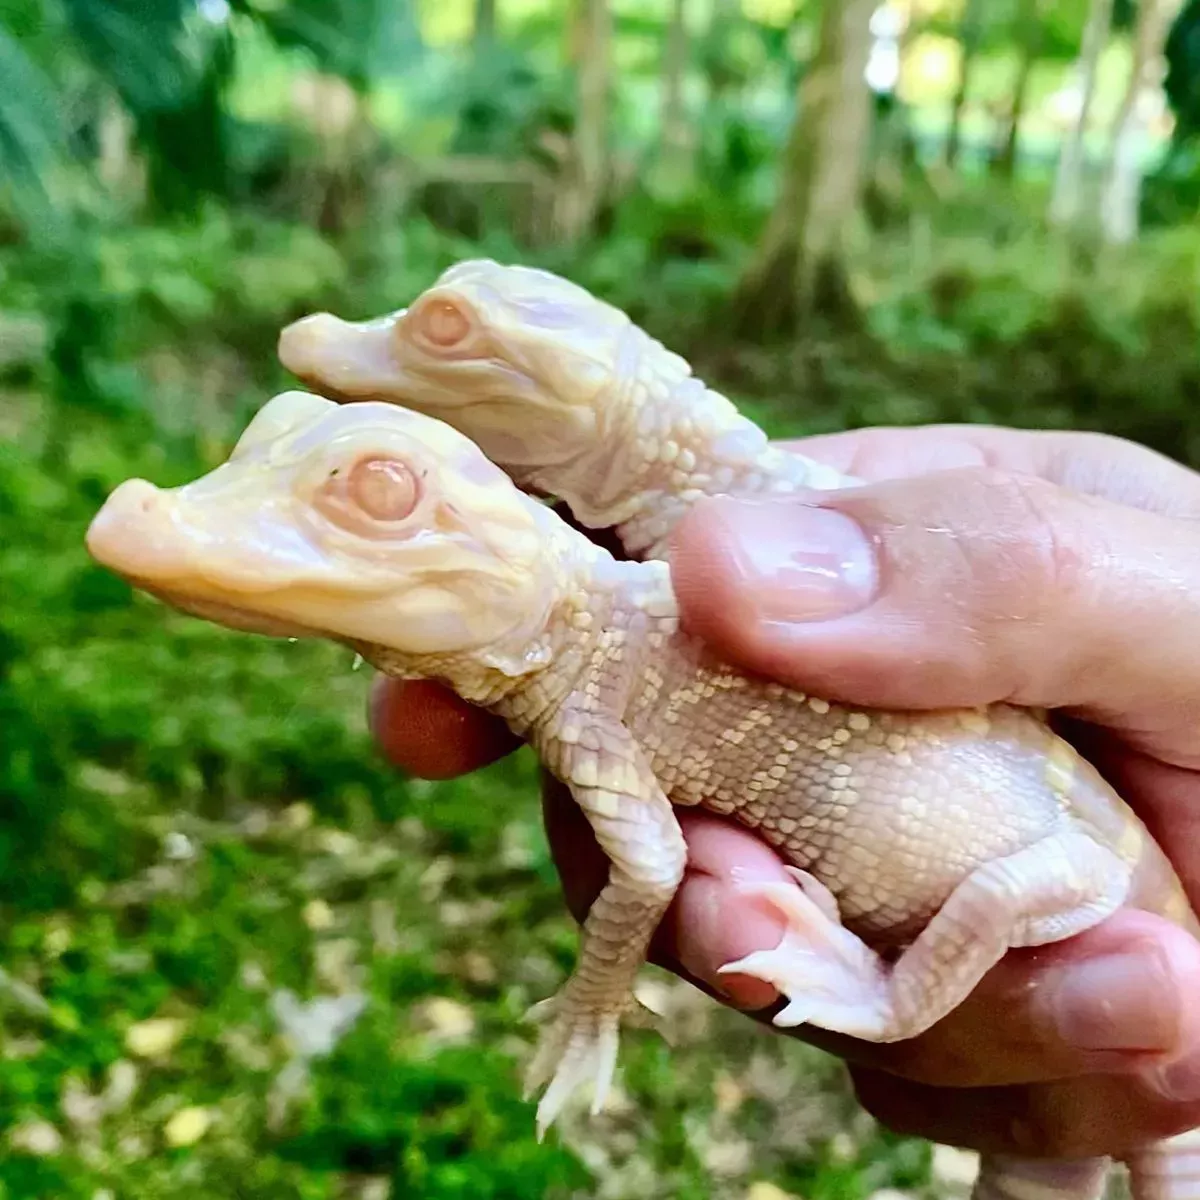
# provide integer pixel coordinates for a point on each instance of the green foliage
(999, 25)
(1182, 82)
(360, 40)
(170, 63)
(1171, 195)
(499, 100)
(152, 53)
(30, 136)
(169, 66)
(1124, 14)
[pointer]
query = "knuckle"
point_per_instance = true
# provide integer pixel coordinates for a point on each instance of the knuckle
(995, 546)
(1123, 471)
(1024, 546)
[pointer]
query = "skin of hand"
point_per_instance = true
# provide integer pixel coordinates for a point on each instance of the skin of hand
(976, 564)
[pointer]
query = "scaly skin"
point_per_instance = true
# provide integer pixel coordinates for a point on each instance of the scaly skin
(576, 402)
(560, 389)
(390, 532)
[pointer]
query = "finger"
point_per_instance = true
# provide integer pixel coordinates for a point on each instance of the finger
(959, 588)
(1117, 998)
(1095, 464)
(1164, 796)
(1097, 1116)
(712, 922)
(428, 731)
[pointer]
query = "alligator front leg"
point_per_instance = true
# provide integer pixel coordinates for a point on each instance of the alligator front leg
(636, 827)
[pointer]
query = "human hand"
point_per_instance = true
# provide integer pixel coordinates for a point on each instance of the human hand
(1050, 570)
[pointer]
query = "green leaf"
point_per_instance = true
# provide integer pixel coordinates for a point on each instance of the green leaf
(359, 40)
(169, 64)
(143, 47)
(31, 135)
(1182, 84)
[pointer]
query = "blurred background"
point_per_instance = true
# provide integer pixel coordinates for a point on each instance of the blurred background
(239, 957)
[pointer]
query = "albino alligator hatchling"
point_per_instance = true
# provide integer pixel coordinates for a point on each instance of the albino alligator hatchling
(391, 532)
(563, 391)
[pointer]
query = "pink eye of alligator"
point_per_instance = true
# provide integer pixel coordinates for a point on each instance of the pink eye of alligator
(443, 324)
(383, 489)
(375, 492)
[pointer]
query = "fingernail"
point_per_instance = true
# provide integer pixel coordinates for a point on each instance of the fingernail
(1180, 1080)
(799, 563)
(1117, 1002)
(708, 937)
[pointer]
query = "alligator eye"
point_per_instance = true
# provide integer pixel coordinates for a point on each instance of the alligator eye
(443, 324)
(383, 488)
(371, 499)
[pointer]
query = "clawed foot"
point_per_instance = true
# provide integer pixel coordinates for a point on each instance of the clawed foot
(578, 1045)
(830, 978)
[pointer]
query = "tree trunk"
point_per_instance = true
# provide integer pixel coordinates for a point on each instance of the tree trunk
(970, 35)
(485, 24)
(1068, 179)
(1120, 192)
(675, 132)
(1030, 34)
(586, 171)
(800, 263)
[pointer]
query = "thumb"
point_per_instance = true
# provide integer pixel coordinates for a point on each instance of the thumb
(958, 588)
